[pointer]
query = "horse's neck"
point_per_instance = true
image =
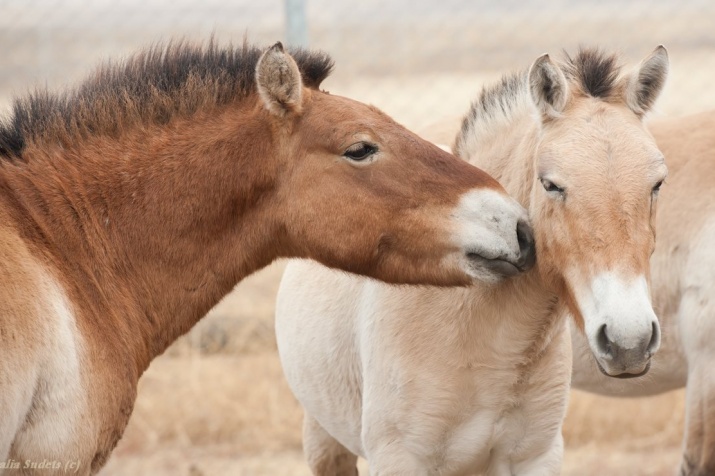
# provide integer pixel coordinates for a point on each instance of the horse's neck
(152, 233)
(506, 149)
(509, 324)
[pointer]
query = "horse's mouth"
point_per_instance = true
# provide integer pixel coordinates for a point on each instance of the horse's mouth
(624, 375)
(499, 267)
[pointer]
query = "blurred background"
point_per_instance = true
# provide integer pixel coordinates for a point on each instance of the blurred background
(216, 403)
(417, 59)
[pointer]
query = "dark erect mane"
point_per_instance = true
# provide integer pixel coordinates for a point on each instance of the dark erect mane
(595, 71)
(149, 87)
(591, 70)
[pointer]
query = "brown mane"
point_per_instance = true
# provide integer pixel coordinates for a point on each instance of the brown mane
(150, 87)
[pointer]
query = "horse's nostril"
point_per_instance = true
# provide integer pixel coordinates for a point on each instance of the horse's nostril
(654, 339)
(603, 342)
(527, 251)
(524, 234)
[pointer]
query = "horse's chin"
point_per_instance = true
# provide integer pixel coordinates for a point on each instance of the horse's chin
(624, 375)
(493, 271)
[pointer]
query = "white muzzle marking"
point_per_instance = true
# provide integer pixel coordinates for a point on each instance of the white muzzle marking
(486, 232)
(620, 324)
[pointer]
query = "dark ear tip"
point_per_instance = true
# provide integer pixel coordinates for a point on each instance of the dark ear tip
(540, 64)
(278, 46)
(542, 59)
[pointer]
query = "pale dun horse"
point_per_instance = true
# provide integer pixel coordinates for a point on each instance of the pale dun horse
(132, 204)
(427, 381)
(683, 273)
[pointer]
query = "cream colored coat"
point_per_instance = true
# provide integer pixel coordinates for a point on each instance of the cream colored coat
(424, 380)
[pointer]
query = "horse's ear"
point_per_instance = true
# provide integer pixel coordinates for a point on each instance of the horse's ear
(279, 82)
(548, 87)
(645, 84)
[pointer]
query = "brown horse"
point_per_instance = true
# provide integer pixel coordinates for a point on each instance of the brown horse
(132, 204)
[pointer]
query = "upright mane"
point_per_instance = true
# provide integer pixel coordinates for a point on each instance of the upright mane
(595, 72)
(150, 87)
(592, 71)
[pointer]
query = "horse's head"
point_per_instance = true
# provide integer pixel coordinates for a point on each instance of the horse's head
(593, 203)
(360, 192)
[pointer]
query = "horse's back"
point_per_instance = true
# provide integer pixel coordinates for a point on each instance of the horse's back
(686, 200)
(685, 139)
(686, 209)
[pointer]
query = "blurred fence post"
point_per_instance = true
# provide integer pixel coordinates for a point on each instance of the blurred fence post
(296, 24)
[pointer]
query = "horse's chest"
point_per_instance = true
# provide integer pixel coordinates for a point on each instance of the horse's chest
(494, 420)
(509, 409)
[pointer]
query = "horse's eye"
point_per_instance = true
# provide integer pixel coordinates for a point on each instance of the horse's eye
(656, 187)
(360, 151)
(550, 186)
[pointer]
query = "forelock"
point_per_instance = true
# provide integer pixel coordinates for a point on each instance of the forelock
(594, 71)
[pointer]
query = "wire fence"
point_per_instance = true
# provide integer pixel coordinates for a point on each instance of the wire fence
(419, 60)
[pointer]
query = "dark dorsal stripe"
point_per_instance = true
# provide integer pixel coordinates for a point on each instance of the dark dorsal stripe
(151, 86)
